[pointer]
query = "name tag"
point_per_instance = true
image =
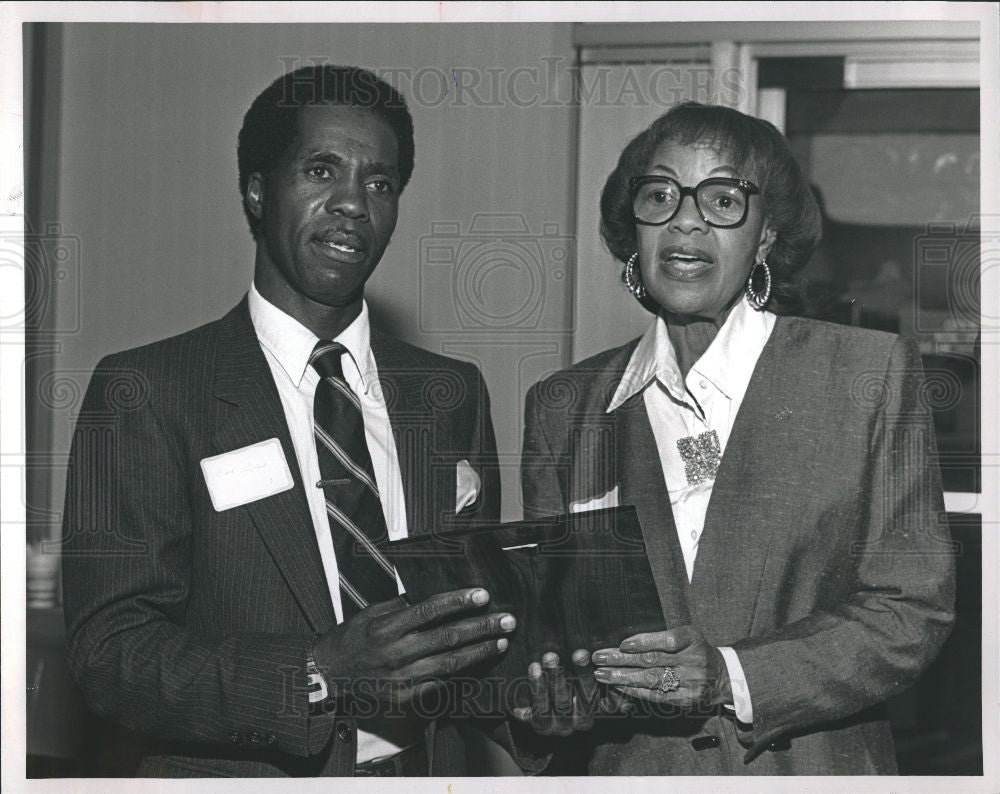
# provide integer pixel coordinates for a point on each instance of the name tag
(246, 475)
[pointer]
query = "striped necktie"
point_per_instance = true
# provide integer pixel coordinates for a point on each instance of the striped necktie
(357, 523)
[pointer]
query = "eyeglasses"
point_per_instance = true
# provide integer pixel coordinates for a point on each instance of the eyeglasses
(720, 201)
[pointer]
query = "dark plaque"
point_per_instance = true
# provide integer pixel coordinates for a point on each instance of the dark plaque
(572, 581)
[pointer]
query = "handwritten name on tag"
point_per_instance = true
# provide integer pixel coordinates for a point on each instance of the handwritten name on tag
(246, 475)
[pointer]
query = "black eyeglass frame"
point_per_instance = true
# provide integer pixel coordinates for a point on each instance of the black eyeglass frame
(745, 186)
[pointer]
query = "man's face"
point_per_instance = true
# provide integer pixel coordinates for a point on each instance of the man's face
(328, 207)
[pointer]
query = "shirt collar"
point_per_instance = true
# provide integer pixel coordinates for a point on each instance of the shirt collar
(291, 343)
(653, 358)
(728, 362)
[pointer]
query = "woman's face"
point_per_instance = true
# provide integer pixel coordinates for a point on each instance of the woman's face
(690, 268)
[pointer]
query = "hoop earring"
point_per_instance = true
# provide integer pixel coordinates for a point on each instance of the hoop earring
(632, 278)
(758, 299)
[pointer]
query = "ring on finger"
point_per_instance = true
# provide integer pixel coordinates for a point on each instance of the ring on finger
(669, 680)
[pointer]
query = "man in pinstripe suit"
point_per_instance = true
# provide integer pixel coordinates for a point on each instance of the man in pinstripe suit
(224, 590)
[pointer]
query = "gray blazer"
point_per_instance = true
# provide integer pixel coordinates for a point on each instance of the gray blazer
(192, 626)
(825, 561)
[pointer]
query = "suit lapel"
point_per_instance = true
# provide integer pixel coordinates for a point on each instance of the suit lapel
(641, 484)
(414, 431)
(639, 477)
(742, 513)
(253, 413)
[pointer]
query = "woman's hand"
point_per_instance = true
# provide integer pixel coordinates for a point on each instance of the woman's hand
(676, 667)
(560, 705)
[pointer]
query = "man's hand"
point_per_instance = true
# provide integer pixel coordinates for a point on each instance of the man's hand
(560, 706)
(395, 652)
(637, 669)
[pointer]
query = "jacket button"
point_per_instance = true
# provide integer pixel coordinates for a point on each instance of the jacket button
(779, 744)
(253, 737)
(345, 732)
(234, 737)
(271, 739)
(705, 742)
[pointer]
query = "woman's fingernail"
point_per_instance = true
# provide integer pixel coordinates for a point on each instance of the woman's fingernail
(480, 596)
(507, 622)
(602, 675)
(502, 644)
(599, 658)
(628, 646)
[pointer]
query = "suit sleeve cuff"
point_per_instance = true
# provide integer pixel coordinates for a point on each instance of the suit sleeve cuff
(738, 681)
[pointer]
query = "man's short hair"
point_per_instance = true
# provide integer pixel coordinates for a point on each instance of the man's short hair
(271, 123)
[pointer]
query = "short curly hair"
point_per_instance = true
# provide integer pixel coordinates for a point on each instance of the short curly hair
(758, 151)
(271, 123)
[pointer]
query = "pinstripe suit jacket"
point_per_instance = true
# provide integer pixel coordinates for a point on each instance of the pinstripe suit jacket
(825, 559)
(192, 626)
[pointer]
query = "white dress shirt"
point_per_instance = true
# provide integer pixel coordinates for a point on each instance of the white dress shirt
(708, 399)
(287, 345)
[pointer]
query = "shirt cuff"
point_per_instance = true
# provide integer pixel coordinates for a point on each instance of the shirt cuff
(738, 681)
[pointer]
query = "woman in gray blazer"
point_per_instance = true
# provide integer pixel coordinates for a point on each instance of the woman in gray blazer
(783, 470)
